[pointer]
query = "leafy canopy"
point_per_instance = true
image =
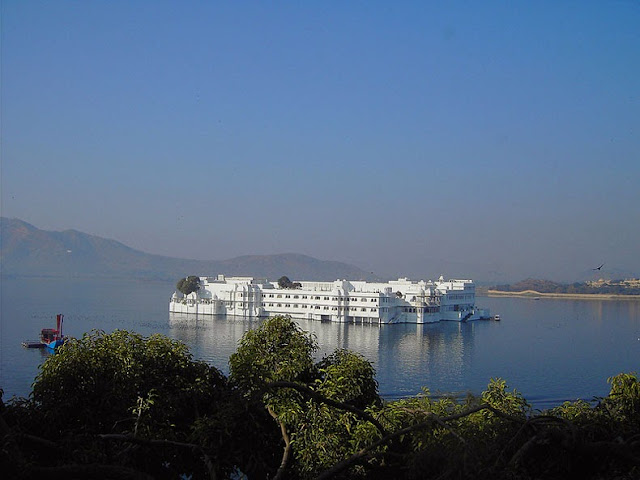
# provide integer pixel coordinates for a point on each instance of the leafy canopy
(284, 282)
(320, 435)
(188, 284)
(278, 350)
(96, 381)
(123, 384)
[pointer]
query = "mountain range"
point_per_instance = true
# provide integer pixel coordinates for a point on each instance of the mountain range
(28, 251)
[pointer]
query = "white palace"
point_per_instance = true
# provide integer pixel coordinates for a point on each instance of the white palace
(398, 301)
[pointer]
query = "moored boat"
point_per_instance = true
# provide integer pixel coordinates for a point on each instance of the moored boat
(53, 338)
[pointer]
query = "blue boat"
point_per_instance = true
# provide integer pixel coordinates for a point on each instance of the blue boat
(53, 338)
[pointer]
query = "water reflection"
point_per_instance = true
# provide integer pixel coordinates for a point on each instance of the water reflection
(432, 356)
(551, 350)
(210, 338)
(406, 357)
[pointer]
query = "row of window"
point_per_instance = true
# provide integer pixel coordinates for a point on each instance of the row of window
(326, 307)
(347, 299)
(455, 296)
(335, 299)
(421, 310)
(355, 309)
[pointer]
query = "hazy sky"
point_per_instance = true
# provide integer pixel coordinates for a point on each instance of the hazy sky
(494, 140)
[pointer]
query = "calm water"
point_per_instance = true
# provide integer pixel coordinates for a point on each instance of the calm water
(551, 350)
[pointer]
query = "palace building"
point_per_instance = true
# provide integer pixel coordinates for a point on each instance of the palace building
(348, 301)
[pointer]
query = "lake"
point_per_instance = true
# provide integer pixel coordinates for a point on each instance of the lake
(551, 350)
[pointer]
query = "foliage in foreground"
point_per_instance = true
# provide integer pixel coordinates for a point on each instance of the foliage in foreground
(123, 406)
(103, 400)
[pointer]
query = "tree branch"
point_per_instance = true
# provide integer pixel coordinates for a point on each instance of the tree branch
(147, 441)
(37, 440)
(338, 467)
(287, 446)
(321, 398)
(6, 433)
(95, 470)
(163, 443)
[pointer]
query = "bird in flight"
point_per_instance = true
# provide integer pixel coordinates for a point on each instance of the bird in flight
(598, 268)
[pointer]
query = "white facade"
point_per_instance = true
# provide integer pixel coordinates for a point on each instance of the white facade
(398, 301)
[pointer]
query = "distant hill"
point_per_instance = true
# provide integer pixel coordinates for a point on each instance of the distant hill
(28, 251)
(536, 285)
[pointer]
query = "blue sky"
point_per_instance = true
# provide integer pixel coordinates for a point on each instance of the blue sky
(496, 140)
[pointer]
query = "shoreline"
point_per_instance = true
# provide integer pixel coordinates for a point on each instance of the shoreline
(581, 296)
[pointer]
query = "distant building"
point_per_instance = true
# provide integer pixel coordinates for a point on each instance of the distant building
(398, 301)
(626, 283)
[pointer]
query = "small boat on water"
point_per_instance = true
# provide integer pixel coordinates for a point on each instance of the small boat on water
(53, 338)
(496, 318)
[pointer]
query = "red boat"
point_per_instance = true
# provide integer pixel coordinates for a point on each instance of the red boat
(51, 338)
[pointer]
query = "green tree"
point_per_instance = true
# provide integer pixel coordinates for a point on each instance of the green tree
(316, 405)
(348, 377)
(103, 394)
(278, 350)
(97, 380)
(188, 284)
(623, 401)
(284, 282)
(324, 434)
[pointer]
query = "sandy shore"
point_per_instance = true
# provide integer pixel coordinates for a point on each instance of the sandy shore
(581, 296)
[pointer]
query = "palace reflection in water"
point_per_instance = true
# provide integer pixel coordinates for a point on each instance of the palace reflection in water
(550, 350)
(406, 356)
